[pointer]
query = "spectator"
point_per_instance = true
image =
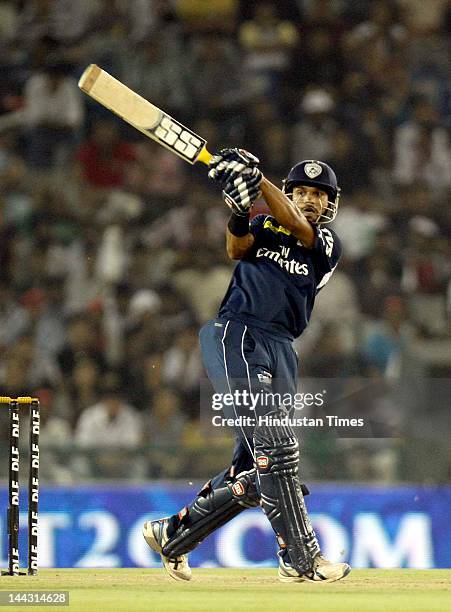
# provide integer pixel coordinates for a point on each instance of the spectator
(83, 280)
(268, 43)
(426, 272)
(81, 388)
(386, 338)
(103, 159)
(219, 83)
(13, 317)
(358, 223)
(164, 80)
(182, 368)
(383, 32)
(330, 357)
(16, 197)
(82, 341)
(165, 425)
(147, 18)
(352, 158)
(422, 150)
(214, 16)
(66, 21)
(424, 19)
(44, 323)
(151, 376)
(339, 306)
(203, 282)
(180, 227)
(158, 177)
(382, 280)
(54, 114)
(319, 61)
(108, 426)
(8, 21)
(315, 130)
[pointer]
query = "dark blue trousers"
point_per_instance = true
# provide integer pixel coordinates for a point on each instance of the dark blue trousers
(243, 358)
(240, 359)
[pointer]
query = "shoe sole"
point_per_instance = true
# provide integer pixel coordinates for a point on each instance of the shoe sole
(283, 578)
(152, 542)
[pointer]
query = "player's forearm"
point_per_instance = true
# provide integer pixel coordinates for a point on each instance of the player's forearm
(287, 214)
(237, 247)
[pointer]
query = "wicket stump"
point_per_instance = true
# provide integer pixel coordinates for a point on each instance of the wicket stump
(14, 405)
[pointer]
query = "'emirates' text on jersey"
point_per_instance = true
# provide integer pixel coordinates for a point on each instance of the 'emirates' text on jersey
(275, 285)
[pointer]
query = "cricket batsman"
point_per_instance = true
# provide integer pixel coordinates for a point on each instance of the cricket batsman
(285, 258)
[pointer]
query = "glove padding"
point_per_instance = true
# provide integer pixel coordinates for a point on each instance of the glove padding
(240, 194)
(228, 164)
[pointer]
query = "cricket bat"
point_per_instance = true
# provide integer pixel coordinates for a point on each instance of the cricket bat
(143, 115)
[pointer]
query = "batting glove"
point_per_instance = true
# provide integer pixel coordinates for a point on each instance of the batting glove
(241, 193)
(228, 164)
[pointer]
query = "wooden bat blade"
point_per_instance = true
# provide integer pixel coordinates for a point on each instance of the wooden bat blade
(143, 115)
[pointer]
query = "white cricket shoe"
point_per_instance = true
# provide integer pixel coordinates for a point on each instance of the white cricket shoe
(155, 534)
(322, 571)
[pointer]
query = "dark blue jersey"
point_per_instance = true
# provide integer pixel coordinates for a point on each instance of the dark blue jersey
(275, 285)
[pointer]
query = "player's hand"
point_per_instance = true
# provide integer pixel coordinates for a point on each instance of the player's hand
(241, 193)
(228, 164)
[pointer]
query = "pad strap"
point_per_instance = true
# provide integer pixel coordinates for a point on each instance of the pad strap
(211, 509)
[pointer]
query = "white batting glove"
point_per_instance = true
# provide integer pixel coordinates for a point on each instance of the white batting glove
(226, 166)
(241, 193)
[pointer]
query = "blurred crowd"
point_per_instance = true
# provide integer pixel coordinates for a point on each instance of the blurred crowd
(112, 249)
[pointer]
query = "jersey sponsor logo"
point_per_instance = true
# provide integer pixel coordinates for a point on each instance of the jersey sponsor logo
(262, 462)
(275, 229)
(238, 489)
(312, 170)
(291, 266)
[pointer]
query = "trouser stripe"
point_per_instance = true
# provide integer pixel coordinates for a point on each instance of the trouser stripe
(230, 388)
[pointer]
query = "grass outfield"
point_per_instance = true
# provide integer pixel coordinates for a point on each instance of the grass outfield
(233, 590)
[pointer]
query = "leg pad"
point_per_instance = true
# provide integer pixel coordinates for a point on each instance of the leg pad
(277, 454)
(213, 507)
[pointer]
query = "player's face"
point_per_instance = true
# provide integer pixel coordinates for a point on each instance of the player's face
(311, 201)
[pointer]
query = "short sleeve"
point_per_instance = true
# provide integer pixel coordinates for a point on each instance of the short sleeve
(327, 247)
(328, 251)
(257, 224)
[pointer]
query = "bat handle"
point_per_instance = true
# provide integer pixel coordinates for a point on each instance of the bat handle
(204, 156)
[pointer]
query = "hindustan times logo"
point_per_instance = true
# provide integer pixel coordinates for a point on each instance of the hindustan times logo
(252, 401)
